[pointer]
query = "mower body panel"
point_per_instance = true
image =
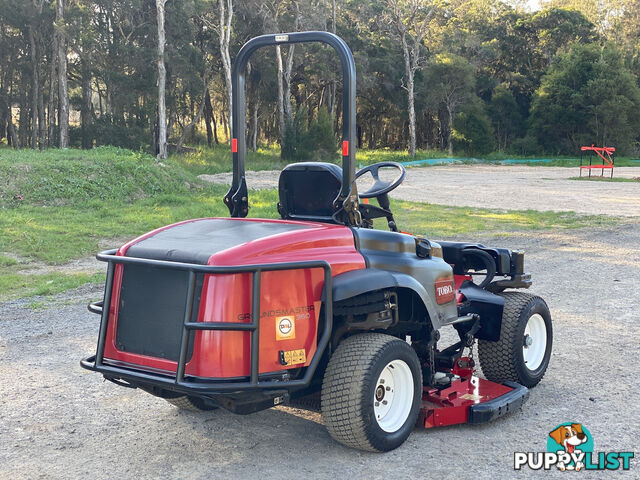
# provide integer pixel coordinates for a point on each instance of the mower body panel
(145, 319)
(397, 253)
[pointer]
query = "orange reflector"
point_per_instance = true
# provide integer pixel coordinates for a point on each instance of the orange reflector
(365, 200)
(345, 148)
(234, 145)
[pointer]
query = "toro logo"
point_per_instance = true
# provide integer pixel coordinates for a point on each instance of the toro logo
(444, 291)
(570, 448)
(285, 328)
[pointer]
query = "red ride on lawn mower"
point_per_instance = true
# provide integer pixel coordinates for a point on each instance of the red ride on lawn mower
(246, 314)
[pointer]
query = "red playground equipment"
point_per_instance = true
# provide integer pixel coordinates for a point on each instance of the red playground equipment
(605, 153)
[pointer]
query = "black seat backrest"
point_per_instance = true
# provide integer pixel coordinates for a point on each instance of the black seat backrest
(307, 191)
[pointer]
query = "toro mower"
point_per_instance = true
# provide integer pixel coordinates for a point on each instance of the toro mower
(318, 306)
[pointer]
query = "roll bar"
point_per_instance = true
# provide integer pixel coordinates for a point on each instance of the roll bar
(346, 204)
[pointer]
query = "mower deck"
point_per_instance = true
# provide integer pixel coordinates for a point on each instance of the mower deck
(469, 400)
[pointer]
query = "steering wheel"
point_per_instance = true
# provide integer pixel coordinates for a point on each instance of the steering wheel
(380, 187)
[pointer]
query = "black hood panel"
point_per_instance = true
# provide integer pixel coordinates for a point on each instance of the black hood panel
(198, 240)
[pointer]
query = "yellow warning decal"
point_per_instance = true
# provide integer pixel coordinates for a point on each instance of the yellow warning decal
(294, 357)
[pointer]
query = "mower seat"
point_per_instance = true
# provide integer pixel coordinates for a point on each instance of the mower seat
(307, 191)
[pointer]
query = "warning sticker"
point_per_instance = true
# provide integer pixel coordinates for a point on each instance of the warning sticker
(294, 357)
(285, 328)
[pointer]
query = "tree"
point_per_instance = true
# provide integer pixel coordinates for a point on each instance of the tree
(587, 97)
(594, 10)
(88, 60)
(624, 21)
(162, 80)
(505, 117)
(225, 10)
(472, 129)
(450, 82)
(273, 12)
(63, 89)
(409, 20)
(557, 29)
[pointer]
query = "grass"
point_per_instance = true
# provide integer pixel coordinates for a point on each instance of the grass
(56, 235)
(606, 179)
(74, 203)
(218, 160)
(14, 285)
(74, 177)
(445, 221)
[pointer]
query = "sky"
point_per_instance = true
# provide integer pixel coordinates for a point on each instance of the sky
(533, 5)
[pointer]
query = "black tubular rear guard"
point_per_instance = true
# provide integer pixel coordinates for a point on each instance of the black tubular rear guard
(178, 382)
(510, 401)
(236, 198)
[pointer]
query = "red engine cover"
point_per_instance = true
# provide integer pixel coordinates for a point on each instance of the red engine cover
(290, 300)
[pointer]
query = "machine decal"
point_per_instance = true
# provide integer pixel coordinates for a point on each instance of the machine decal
(444, 291)
(295, 357)
(299, 313)
(285, 328)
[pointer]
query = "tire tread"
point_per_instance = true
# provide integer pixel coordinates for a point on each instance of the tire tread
(185, 403)
(496, 358)
(349, 370)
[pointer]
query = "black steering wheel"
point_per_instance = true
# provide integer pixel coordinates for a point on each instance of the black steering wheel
(380, 187)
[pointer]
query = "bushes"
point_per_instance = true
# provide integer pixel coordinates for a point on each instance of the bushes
(308, 143)
(321, 137)
(587, 96)
(105, 132)
(472, 129)
(527, 145)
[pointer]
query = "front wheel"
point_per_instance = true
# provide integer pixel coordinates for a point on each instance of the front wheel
(523, 352)
(371, 392)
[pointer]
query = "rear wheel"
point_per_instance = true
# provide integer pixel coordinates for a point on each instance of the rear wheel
(193, 404)
(371, 392)
(522, 354)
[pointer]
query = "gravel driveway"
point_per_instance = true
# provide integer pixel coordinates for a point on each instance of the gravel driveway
(502, 187)
(59, 421)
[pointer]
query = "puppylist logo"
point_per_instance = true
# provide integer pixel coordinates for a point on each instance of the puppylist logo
(570, 448)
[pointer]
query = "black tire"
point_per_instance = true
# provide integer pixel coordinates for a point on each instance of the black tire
(193, 404)
(349, 386)
(504, 360)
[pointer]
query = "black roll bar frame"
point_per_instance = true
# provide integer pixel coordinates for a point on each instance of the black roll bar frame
(346, 203)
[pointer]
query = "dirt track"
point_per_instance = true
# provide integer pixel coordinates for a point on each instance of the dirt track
(502, 187)
(59, 421)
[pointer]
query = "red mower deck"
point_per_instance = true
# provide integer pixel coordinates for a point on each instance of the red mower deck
(469, 400)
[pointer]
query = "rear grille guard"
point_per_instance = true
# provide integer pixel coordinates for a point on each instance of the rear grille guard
(179, 382)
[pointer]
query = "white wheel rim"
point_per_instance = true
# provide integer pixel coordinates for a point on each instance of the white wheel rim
(393, 396)
(534, 344)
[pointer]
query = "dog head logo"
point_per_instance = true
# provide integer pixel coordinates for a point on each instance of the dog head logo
(569, 436)
(570, 441)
